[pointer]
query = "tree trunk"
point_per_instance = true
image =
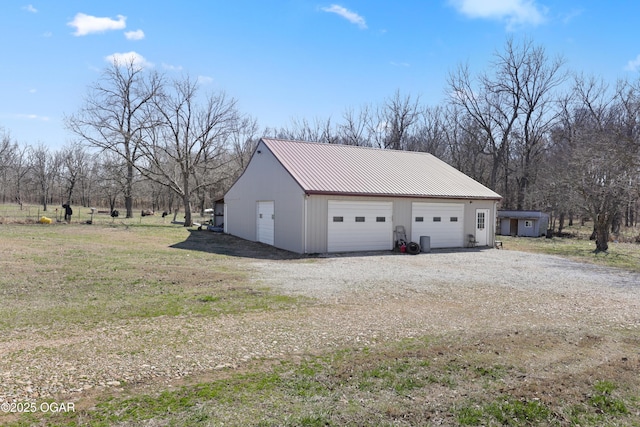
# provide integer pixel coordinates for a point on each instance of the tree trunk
(616, 223)
(188, 222)
(202, 198)
(601, 230)
(560, 223)
(128, 191)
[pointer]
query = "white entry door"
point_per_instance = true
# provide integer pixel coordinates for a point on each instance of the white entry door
(482, 227)
(442, 222)
(265, 222)
(359, 226)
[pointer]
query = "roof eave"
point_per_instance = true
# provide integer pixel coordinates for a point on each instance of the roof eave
(406, 196)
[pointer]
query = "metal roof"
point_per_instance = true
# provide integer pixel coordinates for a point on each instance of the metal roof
(522, 214)
(344, 169)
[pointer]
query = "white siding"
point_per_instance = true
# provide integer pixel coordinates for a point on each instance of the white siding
(317, 214)
(266, 179)
(359, 226)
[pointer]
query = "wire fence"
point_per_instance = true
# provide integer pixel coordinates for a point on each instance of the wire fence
(35, 214)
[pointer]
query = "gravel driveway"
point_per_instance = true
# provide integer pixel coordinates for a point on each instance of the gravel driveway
(334, 276)
(360, 300)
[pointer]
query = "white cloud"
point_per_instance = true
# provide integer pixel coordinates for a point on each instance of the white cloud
(350, 16)
(123, 59)
(32, 90)
(30, 8)
(514, 12)
(87, 24)
(205, 80)
(134, 35)
(32, 117)
(171, 67)
(400, 64)
(633, 65)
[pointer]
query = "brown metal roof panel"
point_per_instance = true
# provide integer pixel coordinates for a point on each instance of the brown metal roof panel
(345, 169)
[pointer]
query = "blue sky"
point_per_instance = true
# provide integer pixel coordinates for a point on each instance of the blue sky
(291, 58)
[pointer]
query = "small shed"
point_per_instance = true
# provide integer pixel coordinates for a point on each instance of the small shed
(522, 223)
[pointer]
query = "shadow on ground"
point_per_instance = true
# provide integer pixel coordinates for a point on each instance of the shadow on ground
(225, 244)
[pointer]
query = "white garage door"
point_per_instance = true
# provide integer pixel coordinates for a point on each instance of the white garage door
(359, 226)
(264, 226)
(443, 222)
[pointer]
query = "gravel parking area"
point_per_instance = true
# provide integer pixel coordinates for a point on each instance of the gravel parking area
(333, 276)
(358, 300)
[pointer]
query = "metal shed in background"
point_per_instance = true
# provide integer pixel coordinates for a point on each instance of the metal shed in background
(522, 223)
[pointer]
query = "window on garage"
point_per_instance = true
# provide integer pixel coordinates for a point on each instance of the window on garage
(437, 219)
(419, 219)
(338, 219)
(359, 219)
(453, 219)
(381, 219)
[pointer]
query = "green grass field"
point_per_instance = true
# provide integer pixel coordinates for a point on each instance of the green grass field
(624, 254)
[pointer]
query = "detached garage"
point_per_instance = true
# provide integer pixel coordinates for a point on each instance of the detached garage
(309, 197)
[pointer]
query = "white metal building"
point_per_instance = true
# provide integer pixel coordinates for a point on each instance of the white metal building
(309, 197)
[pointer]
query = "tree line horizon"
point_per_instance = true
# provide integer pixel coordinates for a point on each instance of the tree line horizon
(543, 137)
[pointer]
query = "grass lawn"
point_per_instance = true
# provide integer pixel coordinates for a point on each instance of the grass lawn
(84, 275)
(56, 277)
(624, 254)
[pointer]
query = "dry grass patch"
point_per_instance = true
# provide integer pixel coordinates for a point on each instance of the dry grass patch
(85, 275)
(420, 381)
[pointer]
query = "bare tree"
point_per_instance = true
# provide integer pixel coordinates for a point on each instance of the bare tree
(513, 107)
(428, 132)
(45, 169)
(187, 149)
(392, 121)
(601, 131)
(465, 145)
(243, 138)
(354, 129)
(7, 153)
(75, 162)
(537, 77)
(491, 112)
(21, 167)
(110, 177)
(316, 131)
(114, 117)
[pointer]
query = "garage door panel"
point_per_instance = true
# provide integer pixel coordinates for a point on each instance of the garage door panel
(442, 222)
(356, 226)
